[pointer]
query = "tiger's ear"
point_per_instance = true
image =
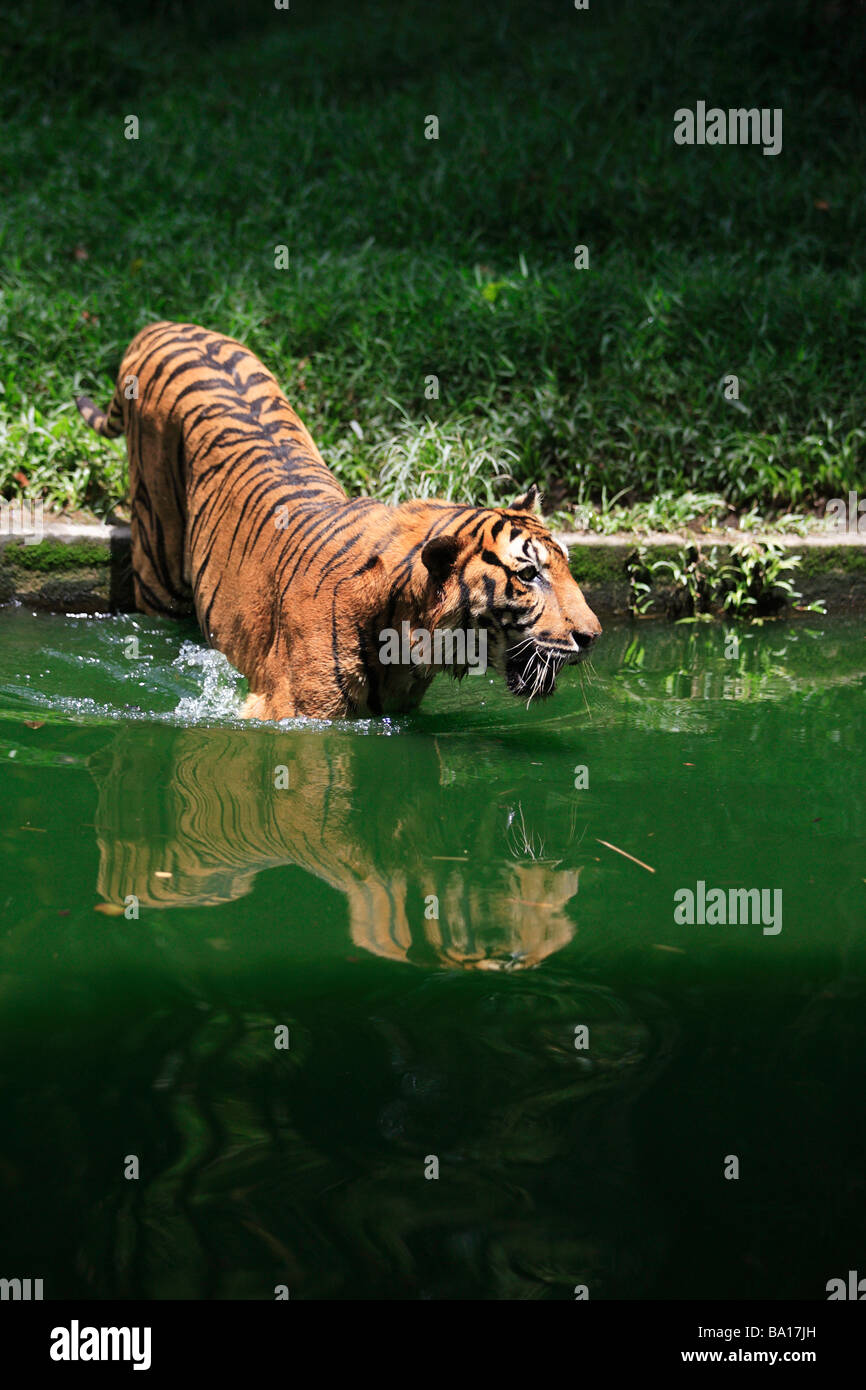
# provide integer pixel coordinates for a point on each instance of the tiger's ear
(528, 502)
(439, 556)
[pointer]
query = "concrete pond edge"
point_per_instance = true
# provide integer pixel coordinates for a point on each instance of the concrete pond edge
(84, 566)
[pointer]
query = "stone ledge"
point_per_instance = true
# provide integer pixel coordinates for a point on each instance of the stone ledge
(72, 567)
(84, 566)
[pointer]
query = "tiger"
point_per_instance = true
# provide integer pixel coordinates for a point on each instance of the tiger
(236, 518)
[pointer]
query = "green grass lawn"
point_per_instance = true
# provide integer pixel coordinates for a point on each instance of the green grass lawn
(453, 258)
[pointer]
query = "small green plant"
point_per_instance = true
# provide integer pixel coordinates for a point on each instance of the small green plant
(683, 581)
(640, 587)
(755, 579)
(752, 580)
(690, 581)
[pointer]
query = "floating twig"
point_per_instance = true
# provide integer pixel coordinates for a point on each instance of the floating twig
(616, 849)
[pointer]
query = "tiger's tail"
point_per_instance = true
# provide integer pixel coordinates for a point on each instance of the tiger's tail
(107, 423)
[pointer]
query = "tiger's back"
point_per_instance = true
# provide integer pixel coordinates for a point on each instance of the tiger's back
(194, 406)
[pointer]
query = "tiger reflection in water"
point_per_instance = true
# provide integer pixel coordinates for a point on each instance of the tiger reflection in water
(302, 1168)
(202, 840)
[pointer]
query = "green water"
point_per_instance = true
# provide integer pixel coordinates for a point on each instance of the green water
(309, 906)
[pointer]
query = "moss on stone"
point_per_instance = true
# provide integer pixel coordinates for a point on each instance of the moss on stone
(832, 559)
(606, 564)
(58, 574)
(54, 555)
(597, 565)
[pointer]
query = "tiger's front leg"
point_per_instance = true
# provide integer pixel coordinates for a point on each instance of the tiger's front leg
(261, 707)
(272, 696)
(285, 701)
(300, 678)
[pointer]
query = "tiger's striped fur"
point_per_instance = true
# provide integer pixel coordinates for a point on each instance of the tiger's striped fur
(236, 517)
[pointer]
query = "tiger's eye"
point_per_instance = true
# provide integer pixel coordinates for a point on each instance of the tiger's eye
(527, 574)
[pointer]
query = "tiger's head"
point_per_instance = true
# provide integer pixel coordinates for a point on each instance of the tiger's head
(503, 573)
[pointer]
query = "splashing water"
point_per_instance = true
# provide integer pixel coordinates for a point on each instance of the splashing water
(220, 696)
(128, 668)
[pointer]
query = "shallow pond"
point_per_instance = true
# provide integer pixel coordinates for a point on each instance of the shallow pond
(439, 918)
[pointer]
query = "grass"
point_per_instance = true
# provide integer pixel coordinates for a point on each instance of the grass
(699, 512)
(666, 511)
(411, 258)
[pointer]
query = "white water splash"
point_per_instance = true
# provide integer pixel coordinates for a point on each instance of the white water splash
(220, 696)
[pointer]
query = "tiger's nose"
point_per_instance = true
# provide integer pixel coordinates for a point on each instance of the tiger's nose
(584, 639)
